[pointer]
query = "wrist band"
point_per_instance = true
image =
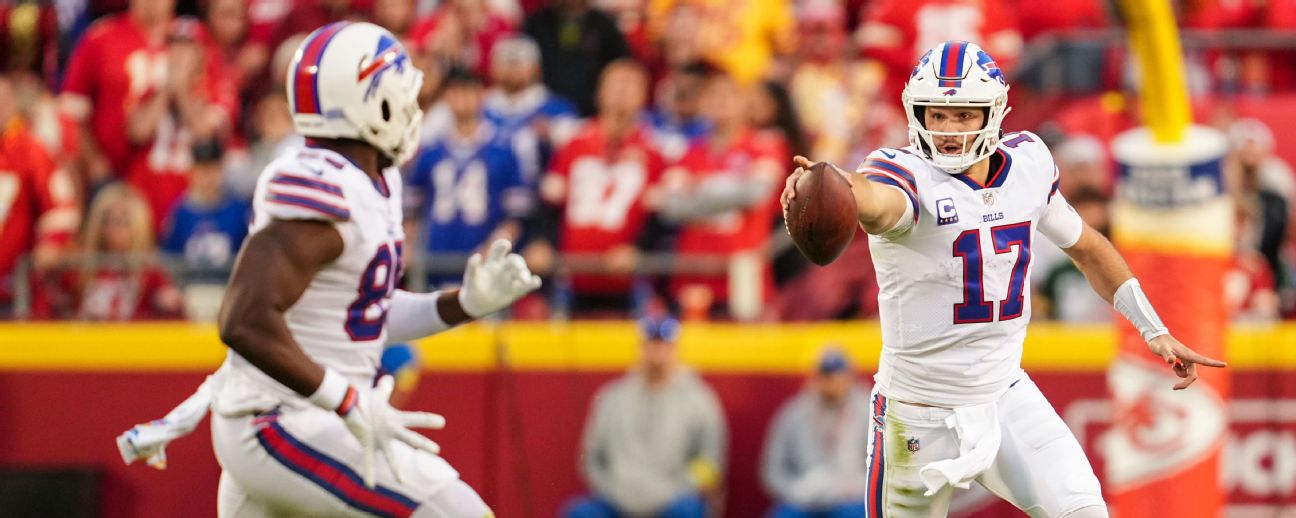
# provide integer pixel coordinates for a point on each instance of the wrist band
(335, 393)
(1133, 304)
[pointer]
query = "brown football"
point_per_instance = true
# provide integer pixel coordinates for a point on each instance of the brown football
(822, 218)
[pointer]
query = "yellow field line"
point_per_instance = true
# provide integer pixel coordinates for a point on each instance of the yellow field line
(585, 346)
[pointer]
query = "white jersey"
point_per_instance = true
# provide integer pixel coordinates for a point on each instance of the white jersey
(954, 280)
(340, 320)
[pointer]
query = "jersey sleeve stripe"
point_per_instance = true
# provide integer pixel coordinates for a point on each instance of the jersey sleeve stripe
(331, 474)
(897, 169)
(318, 185)
(892, 181)
(1053, 190)
(322, 207)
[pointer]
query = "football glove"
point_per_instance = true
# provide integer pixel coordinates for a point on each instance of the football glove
(370, 417)
(495, 282)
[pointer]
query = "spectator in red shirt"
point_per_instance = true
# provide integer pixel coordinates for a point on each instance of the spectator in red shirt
(396, 16)
(723, 192)
(115, 276)
(38, 206)
(897, 32)
(141, 83)
(477, 28)
(110, 71)
(226, 24)
(1037, 17)
(299, 17)
(601, 186)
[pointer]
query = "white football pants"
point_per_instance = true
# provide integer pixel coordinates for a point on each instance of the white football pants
(304, 462)
(1040, 467)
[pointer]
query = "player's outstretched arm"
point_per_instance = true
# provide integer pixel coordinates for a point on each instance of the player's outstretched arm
(1111, 277)
(491, 283)
(879, 207)
(272, 271)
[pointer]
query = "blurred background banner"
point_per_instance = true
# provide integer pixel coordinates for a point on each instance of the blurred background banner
(68, 389)
(1173, 222)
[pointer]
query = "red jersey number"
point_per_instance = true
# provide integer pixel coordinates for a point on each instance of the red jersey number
(600, 195)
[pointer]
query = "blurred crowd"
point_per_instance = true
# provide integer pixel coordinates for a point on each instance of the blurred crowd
(632, 149)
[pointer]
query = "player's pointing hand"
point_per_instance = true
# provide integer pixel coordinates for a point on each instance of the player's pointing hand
(1181, 358)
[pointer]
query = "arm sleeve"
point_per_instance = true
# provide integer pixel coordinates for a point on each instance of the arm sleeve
(1060, 223)
(878, 168)
(413, 316)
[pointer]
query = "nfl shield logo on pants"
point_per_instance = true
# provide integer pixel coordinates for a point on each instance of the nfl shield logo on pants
(913, 444)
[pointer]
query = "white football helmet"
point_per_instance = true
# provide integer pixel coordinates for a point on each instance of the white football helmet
(356, 81)
(956, 73)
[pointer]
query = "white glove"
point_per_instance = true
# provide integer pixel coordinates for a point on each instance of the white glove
(493, 283)
(148, 441)
(375, 423)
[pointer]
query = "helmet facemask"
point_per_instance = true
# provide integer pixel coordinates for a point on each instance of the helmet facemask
(983, 141)
(395, 128)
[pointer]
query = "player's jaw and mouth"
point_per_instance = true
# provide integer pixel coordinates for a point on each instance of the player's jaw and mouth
(953, 145)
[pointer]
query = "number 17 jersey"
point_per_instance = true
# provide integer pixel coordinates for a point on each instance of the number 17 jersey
(954, 293)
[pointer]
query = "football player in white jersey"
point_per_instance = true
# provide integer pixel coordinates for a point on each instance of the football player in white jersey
(950, 220)
(299, 425)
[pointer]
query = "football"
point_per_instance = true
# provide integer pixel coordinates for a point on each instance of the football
(822, 217)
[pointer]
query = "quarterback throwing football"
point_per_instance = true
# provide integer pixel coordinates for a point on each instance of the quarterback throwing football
(951, 219)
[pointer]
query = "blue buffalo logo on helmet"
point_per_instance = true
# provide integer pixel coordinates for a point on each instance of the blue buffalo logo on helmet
(922, 62)
(988, 64)
(389, 54)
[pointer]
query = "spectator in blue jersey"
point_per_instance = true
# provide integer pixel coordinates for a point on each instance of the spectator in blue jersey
(676, 119)
(206, 227)
(465, 188)
(536, 120)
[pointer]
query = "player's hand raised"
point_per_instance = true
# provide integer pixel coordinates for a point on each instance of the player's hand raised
(1181, 358)
(494, 282)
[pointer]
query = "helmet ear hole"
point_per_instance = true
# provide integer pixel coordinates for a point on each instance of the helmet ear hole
(386, 111)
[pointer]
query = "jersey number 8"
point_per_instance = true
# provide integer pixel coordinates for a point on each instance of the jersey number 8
(367, 315)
